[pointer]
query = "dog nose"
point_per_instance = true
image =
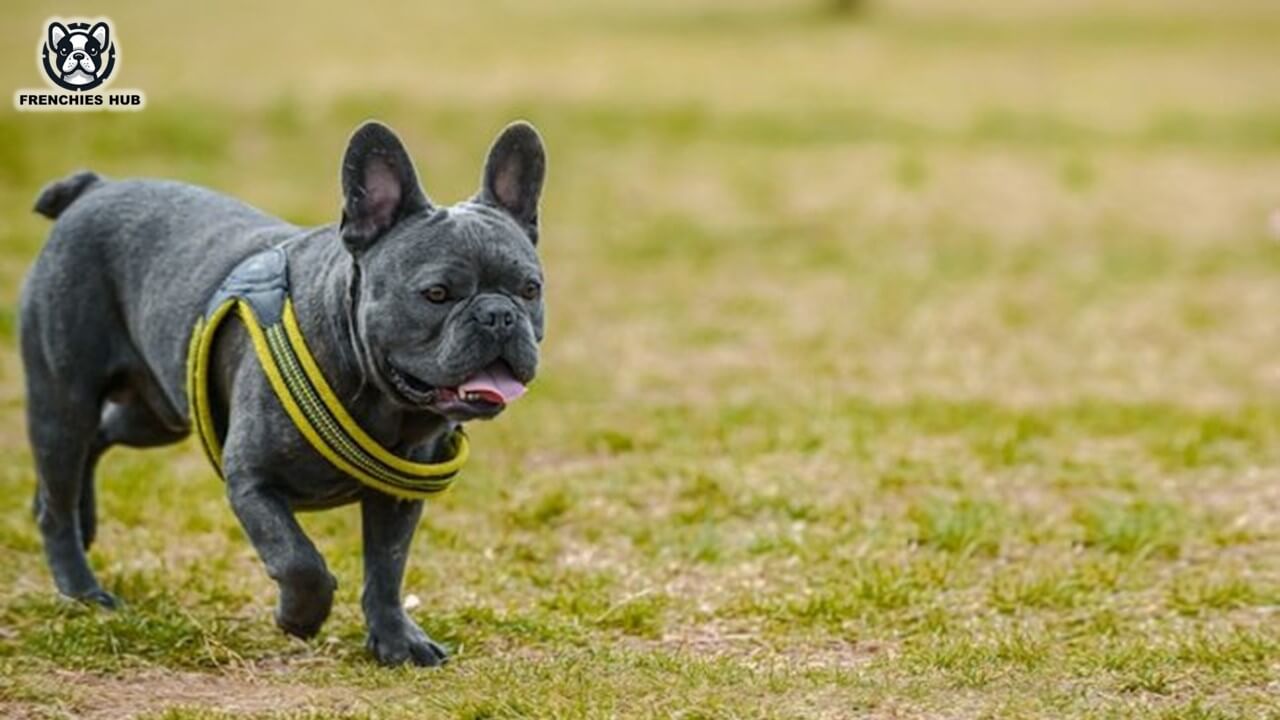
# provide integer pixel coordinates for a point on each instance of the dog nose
(494, 312)
(497, 318)
(77, 56)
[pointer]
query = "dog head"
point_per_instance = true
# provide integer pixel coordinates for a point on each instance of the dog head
(448, 308)
(78, 52)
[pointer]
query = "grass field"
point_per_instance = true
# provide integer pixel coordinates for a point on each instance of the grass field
(924, 363)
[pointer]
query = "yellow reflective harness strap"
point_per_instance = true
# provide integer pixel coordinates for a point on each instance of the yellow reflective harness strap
(198, 356)
(367, 444)
(195, 380)
(311, 404)
(330, 420)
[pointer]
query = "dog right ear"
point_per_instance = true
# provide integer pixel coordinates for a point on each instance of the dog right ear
(379, 186)
(57, 32)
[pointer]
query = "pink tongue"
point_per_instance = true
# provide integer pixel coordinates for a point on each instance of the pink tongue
(495, 379)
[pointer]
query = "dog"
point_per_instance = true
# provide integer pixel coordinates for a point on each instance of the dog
(79, 52)
(419, 316)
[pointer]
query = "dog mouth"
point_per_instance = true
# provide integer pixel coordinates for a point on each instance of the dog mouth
(483, 394)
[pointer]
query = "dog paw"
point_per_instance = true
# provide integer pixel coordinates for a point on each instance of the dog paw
(300, 630)
(404, 642)
(99, 597)
(305, 602)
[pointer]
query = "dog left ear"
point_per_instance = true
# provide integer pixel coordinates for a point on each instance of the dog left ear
(379, 186)
(100, 33)
(513, 175)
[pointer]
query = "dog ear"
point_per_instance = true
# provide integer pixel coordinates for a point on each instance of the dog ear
(100, 33)
(513, 175)
(57, 31)
(379, 186)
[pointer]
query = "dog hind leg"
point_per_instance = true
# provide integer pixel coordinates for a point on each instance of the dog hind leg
(61, 424)
(128, 421)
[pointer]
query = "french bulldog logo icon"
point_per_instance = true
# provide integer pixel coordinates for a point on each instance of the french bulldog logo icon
(79, 56)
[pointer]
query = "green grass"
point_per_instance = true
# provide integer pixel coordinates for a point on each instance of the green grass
(917, 363)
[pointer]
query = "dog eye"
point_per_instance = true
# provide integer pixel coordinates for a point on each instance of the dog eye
(531, 290)
(436, 293)
(93, 51)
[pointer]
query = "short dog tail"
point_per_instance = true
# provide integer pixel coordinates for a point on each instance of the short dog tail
(57, 195)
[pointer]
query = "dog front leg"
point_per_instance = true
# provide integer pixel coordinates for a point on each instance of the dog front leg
(394, 638)
(306, 586)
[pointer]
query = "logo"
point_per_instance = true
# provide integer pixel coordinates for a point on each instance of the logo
(79, 58)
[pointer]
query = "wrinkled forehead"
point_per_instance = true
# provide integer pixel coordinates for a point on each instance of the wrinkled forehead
(480, 231)
(470, 234)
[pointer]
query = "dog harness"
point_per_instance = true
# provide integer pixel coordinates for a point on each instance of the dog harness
(257, 291)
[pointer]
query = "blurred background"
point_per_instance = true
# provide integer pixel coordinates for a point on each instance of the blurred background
(796, 177)
(949, 298)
